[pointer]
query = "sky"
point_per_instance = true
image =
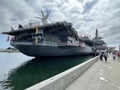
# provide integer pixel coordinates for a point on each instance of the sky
(85, 15)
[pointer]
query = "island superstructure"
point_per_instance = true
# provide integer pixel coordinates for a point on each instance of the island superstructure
(55, 39)
(98, 43)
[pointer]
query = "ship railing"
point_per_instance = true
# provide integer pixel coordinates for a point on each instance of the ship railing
(19, 42)
(49, 43)
(68, 44)
(73, 44)
(62, 44)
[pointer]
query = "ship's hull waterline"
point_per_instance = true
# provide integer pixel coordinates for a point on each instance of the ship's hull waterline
(47, 50)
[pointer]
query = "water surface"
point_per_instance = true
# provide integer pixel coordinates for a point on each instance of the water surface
(18, 71)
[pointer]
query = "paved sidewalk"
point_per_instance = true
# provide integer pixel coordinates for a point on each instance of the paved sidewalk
(101, 76)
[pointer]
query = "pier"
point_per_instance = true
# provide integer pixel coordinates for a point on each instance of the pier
(91, 75)
(100, 76)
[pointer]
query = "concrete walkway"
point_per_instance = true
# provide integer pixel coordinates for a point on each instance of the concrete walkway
(101, 76)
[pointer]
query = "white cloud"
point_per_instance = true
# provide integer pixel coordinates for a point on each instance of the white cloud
(85, 15)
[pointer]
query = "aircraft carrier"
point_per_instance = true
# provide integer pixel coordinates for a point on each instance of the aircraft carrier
(55, 39)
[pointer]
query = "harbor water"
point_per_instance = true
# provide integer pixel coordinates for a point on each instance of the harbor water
(18, 71)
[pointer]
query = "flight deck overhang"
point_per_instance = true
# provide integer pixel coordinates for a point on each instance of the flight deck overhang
(58, 28)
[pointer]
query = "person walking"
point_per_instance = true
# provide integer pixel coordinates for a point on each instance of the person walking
(105, 56)
(101, 56)
(113, 55)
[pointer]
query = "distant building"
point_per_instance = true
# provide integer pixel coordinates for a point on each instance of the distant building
(119, 47)
(111, 49)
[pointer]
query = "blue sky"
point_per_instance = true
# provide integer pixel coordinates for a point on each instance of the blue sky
(3, 41)
(85, 15)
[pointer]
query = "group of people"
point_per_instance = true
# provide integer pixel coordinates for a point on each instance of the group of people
(105, 56)
(114, 55)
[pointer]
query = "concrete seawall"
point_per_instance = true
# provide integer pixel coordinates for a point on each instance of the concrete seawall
(62, 80)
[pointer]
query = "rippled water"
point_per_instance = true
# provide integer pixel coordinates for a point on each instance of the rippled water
(18, 71)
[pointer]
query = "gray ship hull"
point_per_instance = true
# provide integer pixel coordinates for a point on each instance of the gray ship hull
(44, 50)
